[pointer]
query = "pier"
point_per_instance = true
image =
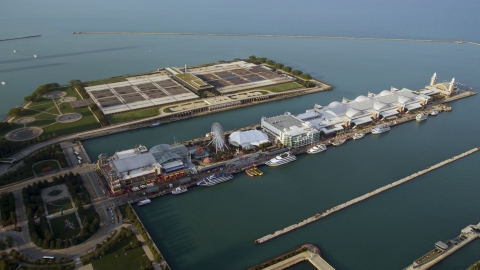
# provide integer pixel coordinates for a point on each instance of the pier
(467, 235)
(7, 39)
(363, 197)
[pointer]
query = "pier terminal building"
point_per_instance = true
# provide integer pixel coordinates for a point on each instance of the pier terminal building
(326, 121)
(139, 166)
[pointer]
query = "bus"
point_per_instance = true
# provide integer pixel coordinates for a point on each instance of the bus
(49, 257)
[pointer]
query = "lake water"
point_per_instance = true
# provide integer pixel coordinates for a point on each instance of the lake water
(214, 228)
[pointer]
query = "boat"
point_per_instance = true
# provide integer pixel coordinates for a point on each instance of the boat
(179, 190)
(257, 171)
(421, 117)
(250, 172)
(156, 124)
(380, 129)
(317, 149)
(143, 202)
(35, 56)
(3, 83)
(281, 159)
(14, 51)
(433, 113)
(339, 142)
(214, 179)
(357, 136)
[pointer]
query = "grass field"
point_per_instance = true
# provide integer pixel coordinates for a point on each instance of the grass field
(132, 115)
(58, 226)
(56, 206)
(282, 87)
(48, 163)
(105, 81)
(87, 122)
(116, 258)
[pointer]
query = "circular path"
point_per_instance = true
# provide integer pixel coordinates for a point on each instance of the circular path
(24, 120)
(55, 94)
(68, 99)
(68, 118)
(23, 134)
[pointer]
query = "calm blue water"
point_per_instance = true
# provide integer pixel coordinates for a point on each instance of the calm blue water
(214, 228)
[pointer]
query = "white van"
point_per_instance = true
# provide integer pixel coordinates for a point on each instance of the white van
(76, 153)
(79, 161)
(79, 158)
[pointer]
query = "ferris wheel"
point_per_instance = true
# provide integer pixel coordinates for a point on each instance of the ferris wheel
(217, 137)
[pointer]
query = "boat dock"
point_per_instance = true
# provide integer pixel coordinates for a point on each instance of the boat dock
(361, 198)
(443, 250)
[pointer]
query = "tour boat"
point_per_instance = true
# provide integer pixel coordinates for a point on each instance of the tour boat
(257, 171)
(143, 202)
(433, 113)
(3, 83)
(281, 159)
(357, 136)
(421, 117)
(14, 51)
(339, 142)
(250, 172)
(179, 190)
(35, 56)
(380, 129)
(156, 124)
(317, 149)
(214, 179)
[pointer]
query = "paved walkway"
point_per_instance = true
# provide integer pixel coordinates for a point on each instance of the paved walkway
(315, 259)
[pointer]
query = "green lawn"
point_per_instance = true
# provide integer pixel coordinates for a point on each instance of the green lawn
(70, 92)
(56, 206)
(116, 258)
(90, 213)
(105, 81)
(282, 87)
(87, 122)
(48, 163)
(58, 226)
(132, 115)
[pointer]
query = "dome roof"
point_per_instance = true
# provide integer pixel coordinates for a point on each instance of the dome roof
(351, 112)
(361, 98)
(385, 93)
(403, 99)
(246, 138)
(377, 105)
(334, 104)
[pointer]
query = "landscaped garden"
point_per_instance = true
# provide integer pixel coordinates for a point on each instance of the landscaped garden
(58, 205)
(132, 115)
(282, 87)
(46, 166)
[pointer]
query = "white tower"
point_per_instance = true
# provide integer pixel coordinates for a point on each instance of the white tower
(185, 68)
(452, 85)
(433, 81)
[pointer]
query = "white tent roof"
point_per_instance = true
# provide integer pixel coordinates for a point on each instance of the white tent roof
(245, 138)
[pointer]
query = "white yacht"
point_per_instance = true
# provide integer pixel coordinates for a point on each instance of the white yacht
(143, 202)
(317, 149)
(281, 159)
(421, 117)
(214, 179)
(380, 129)
(14, 51)
(357, 136)
(35, 56)
(3, 83)
(339, 142)
(433, 113)
(179, 190)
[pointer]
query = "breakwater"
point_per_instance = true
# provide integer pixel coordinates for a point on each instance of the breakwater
(279, 36)
(7, 39)
(363, 197)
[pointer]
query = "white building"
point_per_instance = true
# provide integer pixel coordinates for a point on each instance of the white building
(290, 130)
(247, 139)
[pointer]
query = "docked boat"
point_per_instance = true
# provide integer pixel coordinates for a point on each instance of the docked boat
(214, 179)
(339, 142)
(380, 129)
(179, 190)
(143, 202)
(433, 113)
(357, 136)
(257, 171)
(317, 149)
(156, 124)
(250, 172)
(281, 159)
(421, 117)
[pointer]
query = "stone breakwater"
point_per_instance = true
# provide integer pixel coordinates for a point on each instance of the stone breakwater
(363, 197)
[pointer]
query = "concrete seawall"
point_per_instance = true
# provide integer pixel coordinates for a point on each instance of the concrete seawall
(7, 39)
(363, 197)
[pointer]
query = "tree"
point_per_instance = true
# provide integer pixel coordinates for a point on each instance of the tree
(306, 76)
(80, 209)
(9, 241)
(15, 111)
(252, 57)
(278, 65)
(221, 61)
(287, 68)
(296, 72)
(4, 126)
(59, 243)
(237, 59)
(73, 82)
